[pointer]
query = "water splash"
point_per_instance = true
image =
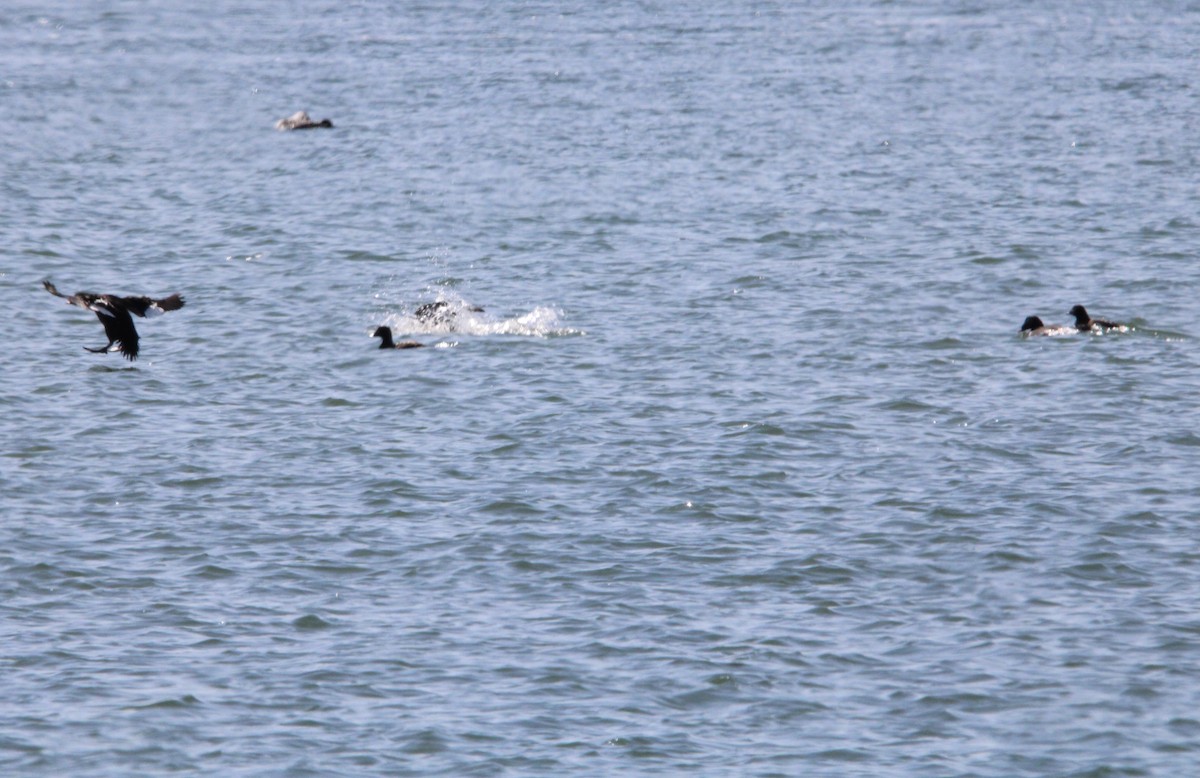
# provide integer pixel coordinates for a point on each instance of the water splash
(458, 317)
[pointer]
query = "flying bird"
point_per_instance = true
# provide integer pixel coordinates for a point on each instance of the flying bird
(114, 313)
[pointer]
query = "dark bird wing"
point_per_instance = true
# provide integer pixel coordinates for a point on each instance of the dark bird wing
(144, 306)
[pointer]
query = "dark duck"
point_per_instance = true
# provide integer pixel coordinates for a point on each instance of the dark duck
(1035, 326)
(386, 334)
(1085, 323)
(114, 313)
(300, 120)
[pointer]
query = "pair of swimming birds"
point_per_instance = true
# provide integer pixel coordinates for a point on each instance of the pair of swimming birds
(116, 314)
(1083, 323)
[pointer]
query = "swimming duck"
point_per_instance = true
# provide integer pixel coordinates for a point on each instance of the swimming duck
(1085, 323)
(113, 312)
(386, 334)
(1034, 326)
(300, 120)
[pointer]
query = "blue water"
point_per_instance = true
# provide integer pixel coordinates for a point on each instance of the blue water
(742, 470)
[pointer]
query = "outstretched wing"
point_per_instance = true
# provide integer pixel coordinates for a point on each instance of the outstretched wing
(144, 306)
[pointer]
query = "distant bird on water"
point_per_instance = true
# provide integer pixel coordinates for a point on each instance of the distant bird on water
(1085, 323)
(113, 312)
(1034, 326)
(386, 334)
(300, 120)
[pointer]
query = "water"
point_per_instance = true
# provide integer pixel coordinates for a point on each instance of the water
(743, 470)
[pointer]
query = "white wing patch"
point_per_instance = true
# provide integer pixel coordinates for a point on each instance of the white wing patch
(102, 309)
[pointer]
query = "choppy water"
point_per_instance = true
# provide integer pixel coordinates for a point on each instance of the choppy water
(742, 471)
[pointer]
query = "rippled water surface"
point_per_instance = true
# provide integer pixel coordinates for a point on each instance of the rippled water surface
(742, 470)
